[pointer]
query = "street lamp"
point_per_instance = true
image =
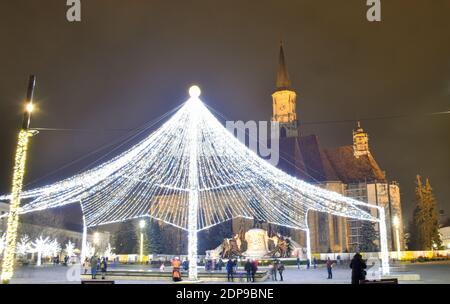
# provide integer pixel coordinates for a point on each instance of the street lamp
(19, 171)
(96, 239)
(141, 247)
(396, 222)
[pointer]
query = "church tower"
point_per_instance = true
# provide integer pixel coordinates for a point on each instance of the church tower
(360, 142)
(284, 101)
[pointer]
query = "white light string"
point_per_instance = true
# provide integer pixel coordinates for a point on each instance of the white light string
(155, 178)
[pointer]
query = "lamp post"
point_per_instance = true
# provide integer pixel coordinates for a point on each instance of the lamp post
(17, 183)
(141, 247)
(396, 222)
(96, 240)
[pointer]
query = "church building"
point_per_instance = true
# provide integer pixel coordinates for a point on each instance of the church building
(350, 170)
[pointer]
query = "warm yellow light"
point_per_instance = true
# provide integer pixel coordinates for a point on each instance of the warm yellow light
(194, 91)
(13, 217)
(396, 221)
(30, 107)
(96, 237)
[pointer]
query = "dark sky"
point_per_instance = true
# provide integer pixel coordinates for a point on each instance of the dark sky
(128, 62)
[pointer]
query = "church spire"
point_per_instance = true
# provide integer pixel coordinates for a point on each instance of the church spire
(283, 81)
(360, 141)
(284, 101)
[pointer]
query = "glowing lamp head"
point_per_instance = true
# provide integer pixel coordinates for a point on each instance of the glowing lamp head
(30, 107)
(194, 91)
(96, 238)
(396, 221)
(142, 224)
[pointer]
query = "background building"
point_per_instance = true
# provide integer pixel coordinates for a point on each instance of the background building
(445, 236)
(350, 170)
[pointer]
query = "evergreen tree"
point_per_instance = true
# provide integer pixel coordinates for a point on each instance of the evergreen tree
(433, 236)
(424, 229)
(153, 238)
(369, 236)
(211, 238)
(125, 241)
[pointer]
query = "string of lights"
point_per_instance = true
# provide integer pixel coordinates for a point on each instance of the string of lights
(193, 174)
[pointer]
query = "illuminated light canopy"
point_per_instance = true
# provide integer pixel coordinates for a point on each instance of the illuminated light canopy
(192, 173)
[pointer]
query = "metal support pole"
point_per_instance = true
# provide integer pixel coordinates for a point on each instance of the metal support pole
(383, 242)
(84, 242)
(193, 192)
(308, 245)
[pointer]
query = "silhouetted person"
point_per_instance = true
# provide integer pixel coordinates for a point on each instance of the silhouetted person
(329, 265)
(254, 269)
(281, 270)
(103, 267)
(248, 270)
(230, 270)
(358, 265)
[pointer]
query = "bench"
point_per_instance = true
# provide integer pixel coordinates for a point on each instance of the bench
(382, 281)
(97, 282)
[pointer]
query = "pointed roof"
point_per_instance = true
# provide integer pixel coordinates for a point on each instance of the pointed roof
(283, 81)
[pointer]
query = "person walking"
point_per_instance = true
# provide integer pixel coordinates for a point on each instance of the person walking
(273, 270)
(103, 267)
(358, 265)
(314, 262)
(85, 265)
(308, 263)
(185, 265)
(280, 270)
(254, 269)
(220, 264)
(248, 270)
(298, 263)
(329, 265)
(230, 269)
(176, 274)
(93, 264)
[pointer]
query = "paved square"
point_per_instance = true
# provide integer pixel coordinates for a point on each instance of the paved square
(430, 273)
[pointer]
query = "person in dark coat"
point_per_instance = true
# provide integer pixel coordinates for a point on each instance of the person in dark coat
(103, 267)
(254, 269)
(281, 270)
(358, 265)
(93, 263)
(248, 270)
(329, 264)
(273, 270)
(185, 265)
(230, 269)
(220, 264)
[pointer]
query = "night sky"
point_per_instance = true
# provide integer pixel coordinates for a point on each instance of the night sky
(129, 62)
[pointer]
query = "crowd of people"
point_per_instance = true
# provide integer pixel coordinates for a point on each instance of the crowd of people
(96, 264)
(276, 268)
(56, 260)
